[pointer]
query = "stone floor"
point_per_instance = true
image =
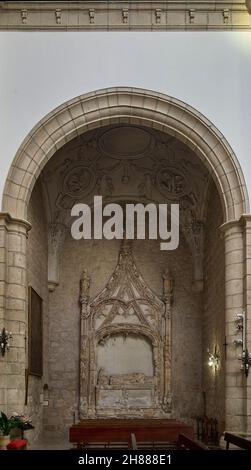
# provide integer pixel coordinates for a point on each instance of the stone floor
(50, 443)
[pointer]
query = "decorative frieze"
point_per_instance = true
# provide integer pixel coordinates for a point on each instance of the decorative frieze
(144, 15)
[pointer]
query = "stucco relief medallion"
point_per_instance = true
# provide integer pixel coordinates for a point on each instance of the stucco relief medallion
(126, 142)
(171, 182)
(79, 181)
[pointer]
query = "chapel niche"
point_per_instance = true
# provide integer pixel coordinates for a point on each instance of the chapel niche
(125, 356)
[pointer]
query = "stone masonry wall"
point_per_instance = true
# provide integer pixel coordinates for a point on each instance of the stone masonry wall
(100, 258)
(37, 278)
(214, 311)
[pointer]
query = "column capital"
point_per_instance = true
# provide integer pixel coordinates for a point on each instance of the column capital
(14, 224)
(246, 220)
(231, 225)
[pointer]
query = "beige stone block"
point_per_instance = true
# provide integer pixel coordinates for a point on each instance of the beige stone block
(15, 396)
(230, 380)
(15, 275)
(23, 162)
(2, 255)
(233, 365)
(2, 237)
(234, 286)
(15, 304)
(2, 271)
(235, 406)
(235, 392)
(2, 311)
(14, 242)
(21, 209)
(240, 380)
(233, 243)
(16, 354)
(234, 301)
(248, 266)
(16, 369)
(15, 381)
(2, 397)
(20, 260)
(13, 326)
(16, 291)
(18, 340)
(234, 423)
(10, 205)
(2, 288)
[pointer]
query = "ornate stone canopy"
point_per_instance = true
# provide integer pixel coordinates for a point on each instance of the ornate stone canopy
(125, 350)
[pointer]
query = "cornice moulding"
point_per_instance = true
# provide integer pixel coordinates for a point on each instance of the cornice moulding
(141, 15)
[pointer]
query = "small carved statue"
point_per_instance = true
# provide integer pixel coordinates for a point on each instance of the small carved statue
(167, 284)
(103, 378)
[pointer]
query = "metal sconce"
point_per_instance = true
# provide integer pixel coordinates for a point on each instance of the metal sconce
(4, 340)
(214, 359)
(240, 322)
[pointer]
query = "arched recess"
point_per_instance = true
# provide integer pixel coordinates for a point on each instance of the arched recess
(133, 106)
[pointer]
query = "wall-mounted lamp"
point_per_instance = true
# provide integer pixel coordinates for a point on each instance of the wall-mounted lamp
(4, 340)
(245, 357)
(214, 358)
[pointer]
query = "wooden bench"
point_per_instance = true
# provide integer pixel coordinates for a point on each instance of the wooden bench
(186, 443)
(118, 430)
(236, 440)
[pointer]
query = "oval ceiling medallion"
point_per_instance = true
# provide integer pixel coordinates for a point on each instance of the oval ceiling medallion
(127, 142)
(79, 181)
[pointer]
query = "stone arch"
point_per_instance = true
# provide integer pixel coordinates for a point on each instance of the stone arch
(127, 328)
(137, 107)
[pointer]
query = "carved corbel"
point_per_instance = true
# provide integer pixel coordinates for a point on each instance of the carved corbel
(58, 14)
(125, 15)
(225, 15)
(158, 13)
(24, 16)
(92, 15)
(191, 15)
(56, 235)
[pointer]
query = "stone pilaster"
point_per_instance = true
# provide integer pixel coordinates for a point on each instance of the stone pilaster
(13, 298)
(234, 303)
(246, 219)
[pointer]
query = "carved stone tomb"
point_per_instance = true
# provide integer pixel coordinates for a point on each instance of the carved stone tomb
(125, 347)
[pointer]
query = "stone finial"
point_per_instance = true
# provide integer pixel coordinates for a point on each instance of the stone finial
(125, 15)
(58, 14)
(92, 15)
(158, 12)
(24, 16)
